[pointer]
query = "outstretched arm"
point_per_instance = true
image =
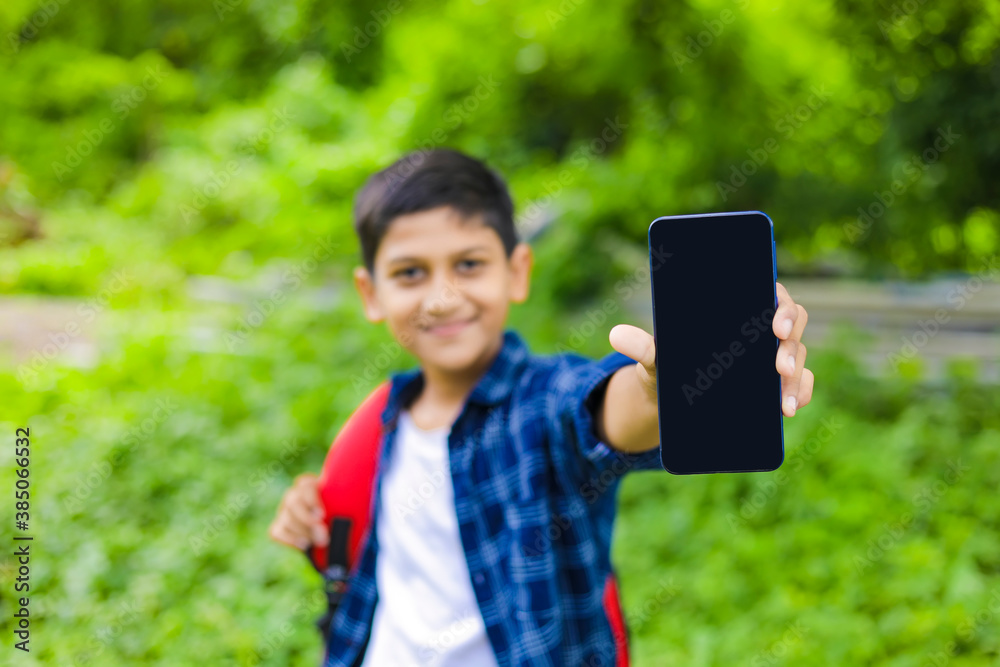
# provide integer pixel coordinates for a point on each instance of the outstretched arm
(627, 419)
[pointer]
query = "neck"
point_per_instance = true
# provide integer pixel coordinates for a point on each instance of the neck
(447, 387)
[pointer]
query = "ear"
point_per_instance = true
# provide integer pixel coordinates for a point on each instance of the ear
(520, 263)
(365, 285)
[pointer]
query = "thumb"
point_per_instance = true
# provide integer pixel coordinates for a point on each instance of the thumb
(635, 343)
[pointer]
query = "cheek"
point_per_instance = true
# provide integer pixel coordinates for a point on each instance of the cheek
(402, 309)
(492, 290)
(493, 304)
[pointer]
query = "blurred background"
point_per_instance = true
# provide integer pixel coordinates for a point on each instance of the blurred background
(179, 331)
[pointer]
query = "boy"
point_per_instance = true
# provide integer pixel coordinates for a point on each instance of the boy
(517, 457)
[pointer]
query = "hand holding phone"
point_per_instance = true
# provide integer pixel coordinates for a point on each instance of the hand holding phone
(721, 362)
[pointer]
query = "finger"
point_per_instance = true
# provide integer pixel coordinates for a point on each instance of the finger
(303, 519)
(786, 313)
(306, 486)
(320, 534)
(635, 343)
(299, 511)
(281, 533)
(786, 361)
(800, 322)
(805, 388)
(789, 402)
(293, 533)
(791, 385)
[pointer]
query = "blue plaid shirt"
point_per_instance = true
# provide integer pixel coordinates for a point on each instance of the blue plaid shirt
(535, 495)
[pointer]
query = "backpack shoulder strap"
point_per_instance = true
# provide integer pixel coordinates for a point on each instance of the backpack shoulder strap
(345, 489)
(619, 629)
(345, 483)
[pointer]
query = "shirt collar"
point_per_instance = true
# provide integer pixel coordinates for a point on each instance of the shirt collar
(493, 387)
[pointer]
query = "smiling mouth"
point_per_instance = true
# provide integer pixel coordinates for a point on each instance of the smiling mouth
(450, 328)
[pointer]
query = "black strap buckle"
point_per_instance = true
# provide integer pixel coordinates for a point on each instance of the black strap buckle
(336, 573)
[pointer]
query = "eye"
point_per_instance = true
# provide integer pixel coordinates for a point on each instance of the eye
(408, 273)
(470, 264)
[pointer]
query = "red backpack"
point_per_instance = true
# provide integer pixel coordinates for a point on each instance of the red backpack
(346, 489)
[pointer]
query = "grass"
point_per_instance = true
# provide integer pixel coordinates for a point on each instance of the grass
(157, 472)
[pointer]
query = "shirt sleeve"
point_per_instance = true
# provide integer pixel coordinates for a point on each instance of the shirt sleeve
(578, 387)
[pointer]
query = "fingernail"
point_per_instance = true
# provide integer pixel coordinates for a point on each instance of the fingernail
(791, 362)
(786, 326)
(791, 404)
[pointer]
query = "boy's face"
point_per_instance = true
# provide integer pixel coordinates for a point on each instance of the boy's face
(443, 285)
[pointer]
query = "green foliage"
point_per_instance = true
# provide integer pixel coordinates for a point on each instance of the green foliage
(163, 467)
(869, 546)
(166, 167)
(609, 114)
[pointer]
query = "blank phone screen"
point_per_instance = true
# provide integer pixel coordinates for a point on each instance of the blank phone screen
(713, 285)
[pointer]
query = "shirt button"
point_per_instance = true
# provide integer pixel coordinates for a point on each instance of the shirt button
(479, 578)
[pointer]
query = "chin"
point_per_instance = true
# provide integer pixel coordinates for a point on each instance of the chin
(452, 357)
(455, 355)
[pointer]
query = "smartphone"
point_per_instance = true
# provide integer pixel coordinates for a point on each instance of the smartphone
(719, 394)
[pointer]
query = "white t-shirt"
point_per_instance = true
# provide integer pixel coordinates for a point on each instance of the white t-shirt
(426, 615)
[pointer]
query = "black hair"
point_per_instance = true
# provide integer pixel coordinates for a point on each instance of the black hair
(427, 179)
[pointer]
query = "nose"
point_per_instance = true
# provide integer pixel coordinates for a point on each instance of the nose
(443, 297)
